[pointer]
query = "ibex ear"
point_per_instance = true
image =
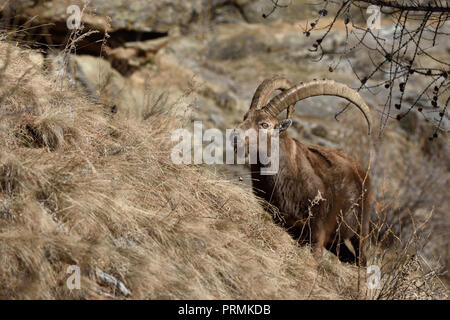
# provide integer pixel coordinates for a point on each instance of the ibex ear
(284, 124)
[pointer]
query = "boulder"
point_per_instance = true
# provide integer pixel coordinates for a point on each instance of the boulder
(137, 15)
(161, 15)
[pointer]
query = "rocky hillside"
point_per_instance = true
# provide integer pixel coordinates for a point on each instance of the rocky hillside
(80, 185)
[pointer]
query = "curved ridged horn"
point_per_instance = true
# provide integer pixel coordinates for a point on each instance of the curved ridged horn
(317, 88)
(265, 90)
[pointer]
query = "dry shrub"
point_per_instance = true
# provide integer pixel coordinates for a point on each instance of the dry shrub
(81, 187)
(410, 211)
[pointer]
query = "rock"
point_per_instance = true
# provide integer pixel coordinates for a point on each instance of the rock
(228, 14)
(153, 45)
(216, 119)
(133, 96)
(227, 101)
(297, 125)
(124, 60)
(319, 131)
(410, 123)
(160, 15)
(142, 15)
(239, 46)
(229, 62)
(296, 10)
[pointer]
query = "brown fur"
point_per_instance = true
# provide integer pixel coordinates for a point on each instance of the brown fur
(304, 171)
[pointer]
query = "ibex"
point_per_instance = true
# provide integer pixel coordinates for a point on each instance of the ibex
(341, 212)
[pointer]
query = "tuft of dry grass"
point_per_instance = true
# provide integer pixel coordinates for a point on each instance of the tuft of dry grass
(81, 187)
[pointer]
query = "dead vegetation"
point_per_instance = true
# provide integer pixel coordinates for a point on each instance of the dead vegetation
(410, 212)
(79, 187)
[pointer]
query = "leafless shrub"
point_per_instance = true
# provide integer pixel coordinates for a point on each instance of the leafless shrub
(400, 60)
(409, 218)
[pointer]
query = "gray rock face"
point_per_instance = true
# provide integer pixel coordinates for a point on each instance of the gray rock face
(162, 15)
(137, 15)
(144, 15)
(289, 10)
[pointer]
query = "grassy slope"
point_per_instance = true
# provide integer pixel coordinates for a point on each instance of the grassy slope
(79, 186)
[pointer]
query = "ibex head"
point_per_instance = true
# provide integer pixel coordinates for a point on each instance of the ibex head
(258, 120)
(264, 116)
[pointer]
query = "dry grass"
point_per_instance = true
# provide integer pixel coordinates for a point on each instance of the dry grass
(79, 186)
(410, 210)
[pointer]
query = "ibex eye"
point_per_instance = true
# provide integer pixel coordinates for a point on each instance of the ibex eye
(264, 125)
